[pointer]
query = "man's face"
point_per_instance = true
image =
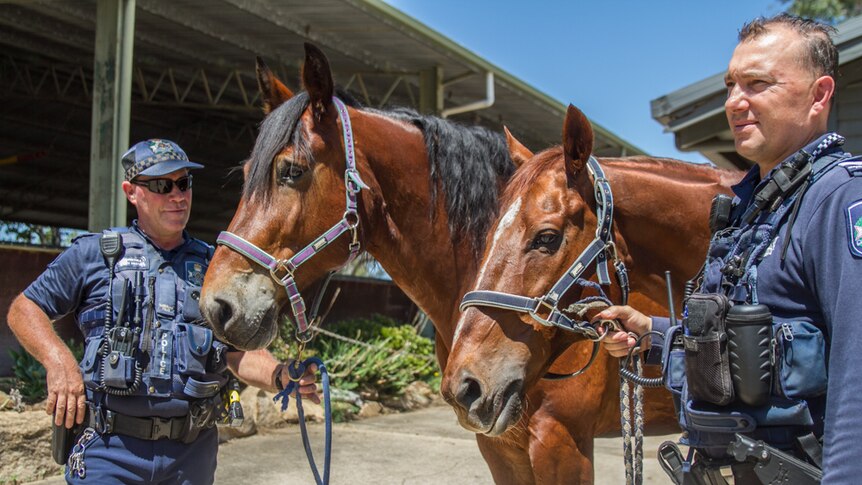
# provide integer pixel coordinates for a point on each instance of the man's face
(771, 106)
(160, 215)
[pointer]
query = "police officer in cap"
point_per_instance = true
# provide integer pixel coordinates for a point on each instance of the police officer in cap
(790, 251)
(149, 388)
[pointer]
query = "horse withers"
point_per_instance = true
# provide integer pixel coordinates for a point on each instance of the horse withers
(548, 217)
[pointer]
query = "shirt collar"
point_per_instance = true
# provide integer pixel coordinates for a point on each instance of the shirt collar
(746, 187)
(186, 239)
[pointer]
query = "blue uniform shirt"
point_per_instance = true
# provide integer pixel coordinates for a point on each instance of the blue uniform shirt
(818, 282)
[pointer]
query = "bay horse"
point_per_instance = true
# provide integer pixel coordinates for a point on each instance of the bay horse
(494, 375)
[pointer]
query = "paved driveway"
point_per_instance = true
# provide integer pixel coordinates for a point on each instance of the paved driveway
(425, 447)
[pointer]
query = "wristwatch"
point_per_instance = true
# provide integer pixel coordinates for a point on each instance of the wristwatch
(276, 377)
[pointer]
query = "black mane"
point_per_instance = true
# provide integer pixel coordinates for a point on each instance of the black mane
(470, 163)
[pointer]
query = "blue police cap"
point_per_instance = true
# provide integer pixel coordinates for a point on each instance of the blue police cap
(155, 157)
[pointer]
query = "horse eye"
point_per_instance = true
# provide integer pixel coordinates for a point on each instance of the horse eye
(290, 172)
(547, 242)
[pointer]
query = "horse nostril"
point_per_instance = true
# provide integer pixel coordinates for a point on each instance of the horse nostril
(469, 392)
(223, 312)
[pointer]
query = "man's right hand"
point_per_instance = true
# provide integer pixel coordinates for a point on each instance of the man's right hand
(66, 398)
(618, 342)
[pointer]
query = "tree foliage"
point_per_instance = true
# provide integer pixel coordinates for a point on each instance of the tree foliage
(831, 11)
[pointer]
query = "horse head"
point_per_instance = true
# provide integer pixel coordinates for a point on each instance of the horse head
(546, 221)
(296, 176)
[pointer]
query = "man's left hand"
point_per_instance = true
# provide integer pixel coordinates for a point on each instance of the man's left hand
(307, 383)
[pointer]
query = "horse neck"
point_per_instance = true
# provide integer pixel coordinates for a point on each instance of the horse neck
(414, 248)
(660, 217)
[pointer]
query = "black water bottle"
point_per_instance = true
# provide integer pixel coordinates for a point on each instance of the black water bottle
(749, 334)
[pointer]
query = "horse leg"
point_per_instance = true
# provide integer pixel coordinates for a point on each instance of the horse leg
(509, 462)
(560, 454)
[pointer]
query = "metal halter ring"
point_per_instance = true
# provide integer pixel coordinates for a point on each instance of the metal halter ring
(281, 264)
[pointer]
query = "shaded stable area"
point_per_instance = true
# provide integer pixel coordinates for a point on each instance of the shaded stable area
(80, 80)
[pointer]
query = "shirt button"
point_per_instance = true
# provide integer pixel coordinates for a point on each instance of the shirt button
(152, 390)
(161, 270)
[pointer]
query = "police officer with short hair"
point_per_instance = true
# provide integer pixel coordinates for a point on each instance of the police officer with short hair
(785, 263)
(148, 390)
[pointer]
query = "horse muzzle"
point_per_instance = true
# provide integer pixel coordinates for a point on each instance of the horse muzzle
(483, 409)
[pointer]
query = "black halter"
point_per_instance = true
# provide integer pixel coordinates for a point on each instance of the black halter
(597, 251)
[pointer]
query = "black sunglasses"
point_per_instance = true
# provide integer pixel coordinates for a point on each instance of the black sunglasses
(165, 186)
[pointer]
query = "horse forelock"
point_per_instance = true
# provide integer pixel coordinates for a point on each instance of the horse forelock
(277, 130)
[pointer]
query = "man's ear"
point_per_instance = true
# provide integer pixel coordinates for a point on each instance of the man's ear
(129, 190)
(823, 90)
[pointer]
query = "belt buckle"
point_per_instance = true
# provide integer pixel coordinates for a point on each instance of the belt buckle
(161, 428)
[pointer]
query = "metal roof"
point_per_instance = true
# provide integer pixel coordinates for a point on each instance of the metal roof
(695, 113)
(194, 83)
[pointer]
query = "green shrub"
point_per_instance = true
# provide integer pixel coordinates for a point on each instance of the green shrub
(393, 356)
(29, 376)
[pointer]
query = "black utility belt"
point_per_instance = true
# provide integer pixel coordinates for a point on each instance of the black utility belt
(181, 428)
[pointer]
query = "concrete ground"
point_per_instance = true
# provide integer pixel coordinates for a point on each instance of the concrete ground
(425, 447)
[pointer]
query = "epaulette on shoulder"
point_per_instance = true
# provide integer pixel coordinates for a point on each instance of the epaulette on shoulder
(84, 236)
(202, 248)
(852, 165)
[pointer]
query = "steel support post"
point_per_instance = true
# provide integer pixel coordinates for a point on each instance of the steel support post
(112, 92)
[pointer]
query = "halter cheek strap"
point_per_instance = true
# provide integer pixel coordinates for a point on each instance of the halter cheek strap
(282, 270)
(596, 252)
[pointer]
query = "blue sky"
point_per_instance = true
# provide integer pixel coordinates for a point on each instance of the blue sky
(609, 58)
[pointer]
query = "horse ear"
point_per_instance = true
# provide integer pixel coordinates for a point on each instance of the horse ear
(272, 90)
(317, 79)
(517, 151)
(577, 140)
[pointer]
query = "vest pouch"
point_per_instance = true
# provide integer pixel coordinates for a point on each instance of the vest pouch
(673, 361)
(800, 360)
(217, 363)
(191, 304)
(118, 370)
(158, 374)
(166, 296)
(707, 365)
(89, 364)
(194, 343)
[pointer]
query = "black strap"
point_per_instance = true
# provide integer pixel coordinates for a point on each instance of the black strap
(812, 448)
(150, 428)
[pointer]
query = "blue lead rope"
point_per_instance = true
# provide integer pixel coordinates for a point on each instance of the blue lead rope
(296, 371)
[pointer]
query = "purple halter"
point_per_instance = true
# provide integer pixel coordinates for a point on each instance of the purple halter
(282, 270)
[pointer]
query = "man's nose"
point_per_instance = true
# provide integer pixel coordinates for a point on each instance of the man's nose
(736, 100)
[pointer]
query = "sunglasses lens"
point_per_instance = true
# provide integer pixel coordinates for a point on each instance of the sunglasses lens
(165, 186)
(161, 186)
(184, 183)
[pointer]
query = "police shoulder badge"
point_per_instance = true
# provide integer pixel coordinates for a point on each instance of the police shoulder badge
(195, 273)
(854, 225)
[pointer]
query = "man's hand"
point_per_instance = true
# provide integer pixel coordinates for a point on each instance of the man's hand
(66, 398)
(307, 383)
(617, 342)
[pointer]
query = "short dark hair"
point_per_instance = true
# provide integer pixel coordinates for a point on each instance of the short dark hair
(821, 55)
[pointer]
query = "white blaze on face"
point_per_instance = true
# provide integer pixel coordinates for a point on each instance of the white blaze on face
(504, 224)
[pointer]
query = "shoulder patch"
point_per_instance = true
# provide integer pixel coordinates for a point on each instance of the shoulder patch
(854, 227)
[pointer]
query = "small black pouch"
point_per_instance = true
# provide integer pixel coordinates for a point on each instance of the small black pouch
(707, 367)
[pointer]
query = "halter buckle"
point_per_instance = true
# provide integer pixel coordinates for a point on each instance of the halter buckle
(611, 247)
(281, 264)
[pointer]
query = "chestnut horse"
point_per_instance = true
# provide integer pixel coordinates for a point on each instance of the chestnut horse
(494, 374)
